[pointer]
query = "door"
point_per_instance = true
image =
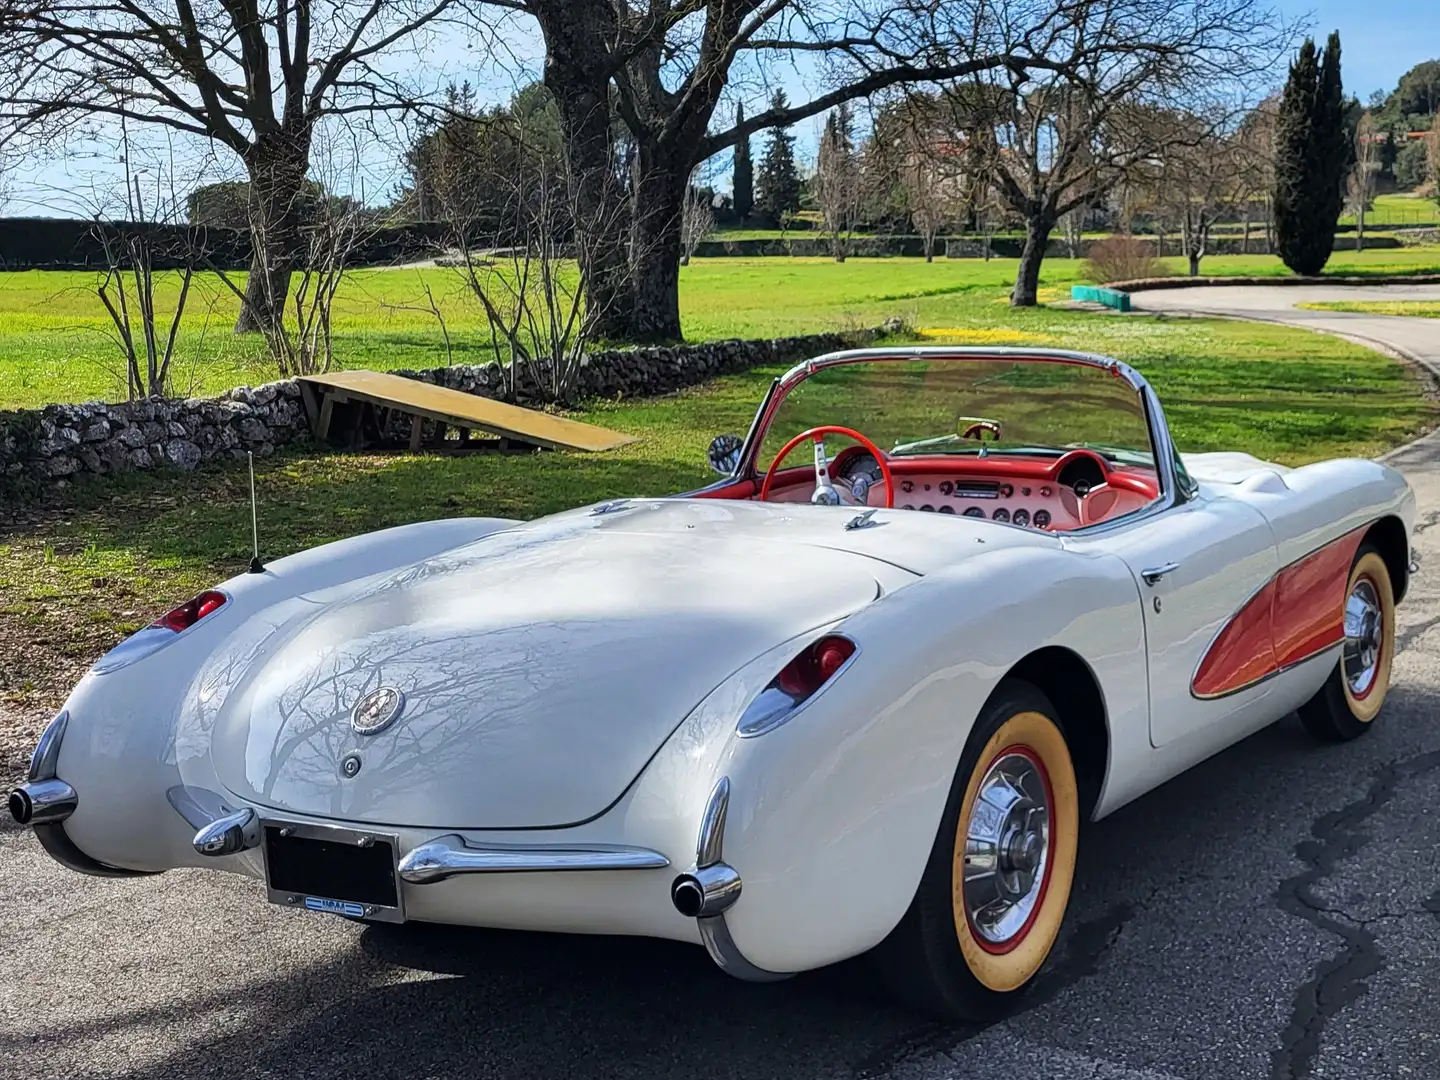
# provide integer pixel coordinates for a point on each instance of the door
(1196, 568)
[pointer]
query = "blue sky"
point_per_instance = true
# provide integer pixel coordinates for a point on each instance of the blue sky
(1380, 40)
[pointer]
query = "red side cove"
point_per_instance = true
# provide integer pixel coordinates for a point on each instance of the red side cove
(1298, 613)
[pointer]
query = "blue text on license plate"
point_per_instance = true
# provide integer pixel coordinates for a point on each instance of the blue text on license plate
(335, 907)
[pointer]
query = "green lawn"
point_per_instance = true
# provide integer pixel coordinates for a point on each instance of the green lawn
(1399, 208)
(78, 572)
(1424, 308)
(55, 343)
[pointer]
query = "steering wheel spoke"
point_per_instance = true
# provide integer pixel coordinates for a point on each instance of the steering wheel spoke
(825, 491)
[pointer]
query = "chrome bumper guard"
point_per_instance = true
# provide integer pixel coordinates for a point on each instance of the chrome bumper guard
(44, 801)
(711, 888)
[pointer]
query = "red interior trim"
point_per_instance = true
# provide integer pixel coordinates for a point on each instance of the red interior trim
(994, 465)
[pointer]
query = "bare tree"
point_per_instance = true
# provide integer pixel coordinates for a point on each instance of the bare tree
(127, 288)
(1254, 175)
(1196, 182)
(671, 60)
(299, 331)
(699, 222)
(1432, 154)
(255, 77)
(1064, 138)
(837, 180)
(533, 291)
(1360, 184)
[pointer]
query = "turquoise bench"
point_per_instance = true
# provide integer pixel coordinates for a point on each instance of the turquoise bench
(1094, 294)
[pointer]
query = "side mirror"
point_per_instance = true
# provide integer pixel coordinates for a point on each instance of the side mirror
(724, 453)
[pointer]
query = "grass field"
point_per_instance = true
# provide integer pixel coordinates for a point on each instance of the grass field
(1399, 208)
(77, 575)
(55, 343)
(80, 571)
(1423, 308)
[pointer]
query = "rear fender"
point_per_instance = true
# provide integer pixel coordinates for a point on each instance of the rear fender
(833, 815)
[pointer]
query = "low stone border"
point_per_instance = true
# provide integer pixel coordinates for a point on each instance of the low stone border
(1142, 284)
(48, 447)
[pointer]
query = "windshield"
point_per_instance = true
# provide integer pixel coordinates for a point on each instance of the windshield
(947, 406)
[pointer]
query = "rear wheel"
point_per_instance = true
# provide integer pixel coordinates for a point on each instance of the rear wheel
(994, 893)
(1346, 705)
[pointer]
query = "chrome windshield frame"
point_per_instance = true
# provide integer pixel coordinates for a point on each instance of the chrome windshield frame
(1161, 444)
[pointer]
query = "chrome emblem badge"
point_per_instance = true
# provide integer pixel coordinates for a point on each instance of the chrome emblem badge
(377, 710)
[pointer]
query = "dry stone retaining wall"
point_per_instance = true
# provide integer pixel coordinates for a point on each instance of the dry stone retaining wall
(51, 446)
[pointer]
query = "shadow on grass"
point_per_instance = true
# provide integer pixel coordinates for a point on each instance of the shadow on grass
(305, 499)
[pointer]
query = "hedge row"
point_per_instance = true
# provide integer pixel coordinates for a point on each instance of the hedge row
(63, 244)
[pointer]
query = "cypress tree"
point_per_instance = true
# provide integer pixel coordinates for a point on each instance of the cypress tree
(779, 179)
(1310, 154)
(744, 176)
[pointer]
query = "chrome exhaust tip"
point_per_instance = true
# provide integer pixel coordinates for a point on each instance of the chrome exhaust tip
(706, 892)
(42, 802)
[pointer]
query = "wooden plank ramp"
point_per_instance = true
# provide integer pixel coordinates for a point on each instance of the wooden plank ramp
(467, 412)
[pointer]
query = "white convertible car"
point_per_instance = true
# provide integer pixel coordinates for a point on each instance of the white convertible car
(808, 712)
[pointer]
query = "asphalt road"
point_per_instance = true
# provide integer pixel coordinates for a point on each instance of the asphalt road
(1273, 913)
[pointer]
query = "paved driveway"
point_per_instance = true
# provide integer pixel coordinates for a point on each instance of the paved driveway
(1274, 913)
(1277, 303)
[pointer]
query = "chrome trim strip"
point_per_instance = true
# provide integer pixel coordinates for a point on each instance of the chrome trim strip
(448, 856)
(715, 935)
(1270, 674)
(1246, 603)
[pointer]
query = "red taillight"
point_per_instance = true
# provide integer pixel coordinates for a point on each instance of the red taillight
(814, 667)
(191, 612)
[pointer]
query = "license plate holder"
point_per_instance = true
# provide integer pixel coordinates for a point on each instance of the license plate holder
(331, 869)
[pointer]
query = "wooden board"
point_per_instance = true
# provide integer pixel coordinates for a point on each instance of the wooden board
(461, 410)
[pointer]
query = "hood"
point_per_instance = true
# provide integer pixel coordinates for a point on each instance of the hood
(541, 666)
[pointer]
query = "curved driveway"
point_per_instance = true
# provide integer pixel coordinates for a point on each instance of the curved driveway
(1419, 337)
(1275, 913)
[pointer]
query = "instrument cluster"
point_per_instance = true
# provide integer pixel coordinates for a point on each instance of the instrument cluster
(1029, 505)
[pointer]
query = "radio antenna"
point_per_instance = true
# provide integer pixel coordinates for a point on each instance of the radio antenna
(256, 566)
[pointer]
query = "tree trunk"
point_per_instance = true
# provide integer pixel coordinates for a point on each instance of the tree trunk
(1360, 228)
(1027, 278)
(277, 166)
(577, 66)
(1245, 230)
(655, 250)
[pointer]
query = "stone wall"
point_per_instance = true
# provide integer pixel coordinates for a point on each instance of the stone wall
(42, 448)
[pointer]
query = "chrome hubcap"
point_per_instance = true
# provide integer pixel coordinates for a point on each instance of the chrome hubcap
(1364, 634)
(1007, 848)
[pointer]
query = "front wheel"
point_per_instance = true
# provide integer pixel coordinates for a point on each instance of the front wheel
(1346, 705)
(994, 893)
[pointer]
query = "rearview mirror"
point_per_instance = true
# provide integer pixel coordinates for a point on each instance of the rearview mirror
(724, 453)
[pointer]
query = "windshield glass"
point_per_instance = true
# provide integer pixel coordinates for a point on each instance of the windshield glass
(927, 406)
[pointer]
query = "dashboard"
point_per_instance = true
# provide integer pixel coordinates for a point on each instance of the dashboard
(1033, 504)
(1031, 493)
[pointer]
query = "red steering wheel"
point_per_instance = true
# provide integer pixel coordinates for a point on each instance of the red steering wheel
(815, 434)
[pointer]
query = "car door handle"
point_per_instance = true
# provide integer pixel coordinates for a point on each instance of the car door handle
(1155, 573)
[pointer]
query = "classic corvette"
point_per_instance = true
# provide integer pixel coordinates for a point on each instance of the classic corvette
(859, 704)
